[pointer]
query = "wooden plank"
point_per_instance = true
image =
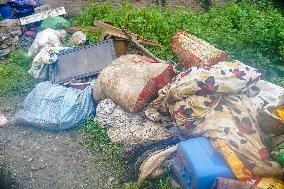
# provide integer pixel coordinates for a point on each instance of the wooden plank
(43, 15)
(113, 31)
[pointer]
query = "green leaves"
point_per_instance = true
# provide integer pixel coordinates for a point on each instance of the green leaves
(250, 32)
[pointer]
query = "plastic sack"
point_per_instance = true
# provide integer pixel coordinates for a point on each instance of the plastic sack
(47, 38)
(131, 81)
(241, 172)
(78, 38)
(193, 51)
(55, 22)
(55, 107)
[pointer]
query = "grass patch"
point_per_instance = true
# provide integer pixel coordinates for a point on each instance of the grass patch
(14, 77)
(163, 183)
(97, 138)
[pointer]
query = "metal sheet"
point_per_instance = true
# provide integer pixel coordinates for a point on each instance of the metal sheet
(82, 61)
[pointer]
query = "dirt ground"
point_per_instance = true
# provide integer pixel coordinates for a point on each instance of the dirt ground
(42, 159)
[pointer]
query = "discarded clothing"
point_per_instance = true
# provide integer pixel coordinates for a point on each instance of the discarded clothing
(129, 128)
(241, 172)
(55, 107)
(47, 55)
(157, 163)
(193, 51)
(78, 38)
(225, 183)
(46, 38)
(213, 102)
(132, 81)
(55, 22)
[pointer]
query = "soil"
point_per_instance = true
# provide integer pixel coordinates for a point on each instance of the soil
(43, 159)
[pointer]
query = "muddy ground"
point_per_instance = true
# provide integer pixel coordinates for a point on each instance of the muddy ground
(42, 159)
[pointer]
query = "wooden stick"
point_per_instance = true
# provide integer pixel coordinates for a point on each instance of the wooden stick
(146, 51)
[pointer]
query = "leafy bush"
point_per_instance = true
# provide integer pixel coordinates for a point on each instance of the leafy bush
(13, 74)
(250, 32)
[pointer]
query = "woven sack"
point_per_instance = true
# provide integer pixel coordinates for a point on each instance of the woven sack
(192, 51)
(132, 81)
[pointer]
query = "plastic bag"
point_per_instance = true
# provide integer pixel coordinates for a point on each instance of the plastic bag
(55, 107)
(55, 22)
(46, 38)
(78, 38)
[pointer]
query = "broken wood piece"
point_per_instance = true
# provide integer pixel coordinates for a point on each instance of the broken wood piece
(78, 28)
(116, 32)
(42, 15)
(146, 51)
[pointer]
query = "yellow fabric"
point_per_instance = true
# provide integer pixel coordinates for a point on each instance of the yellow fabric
(280, 112)
(241, 172)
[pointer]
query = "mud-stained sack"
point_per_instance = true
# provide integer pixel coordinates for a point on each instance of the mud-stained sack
(193, 51)
(131, 81)
(55, 107)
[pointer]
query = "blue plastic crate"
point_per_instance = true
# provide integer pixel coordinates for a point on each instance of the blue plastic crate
(197, 164)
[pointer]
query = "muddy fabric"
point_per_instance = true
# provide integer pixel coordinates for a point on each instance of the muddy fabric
(157, 163)
(132, 81)
(213, 102)
(193, 51)
(225, 183)
(129, 128)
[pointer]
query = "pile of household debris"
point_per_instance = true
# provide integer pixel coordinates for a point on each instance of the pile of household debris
(211, 120)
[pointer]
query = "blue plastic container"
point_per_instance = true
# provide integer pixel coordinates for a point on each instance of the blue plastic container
(197, 164)
(6, 11)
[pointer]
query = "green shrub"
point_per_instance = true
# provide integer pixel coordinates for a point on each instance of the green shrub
(250, 32)
(14, 76)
